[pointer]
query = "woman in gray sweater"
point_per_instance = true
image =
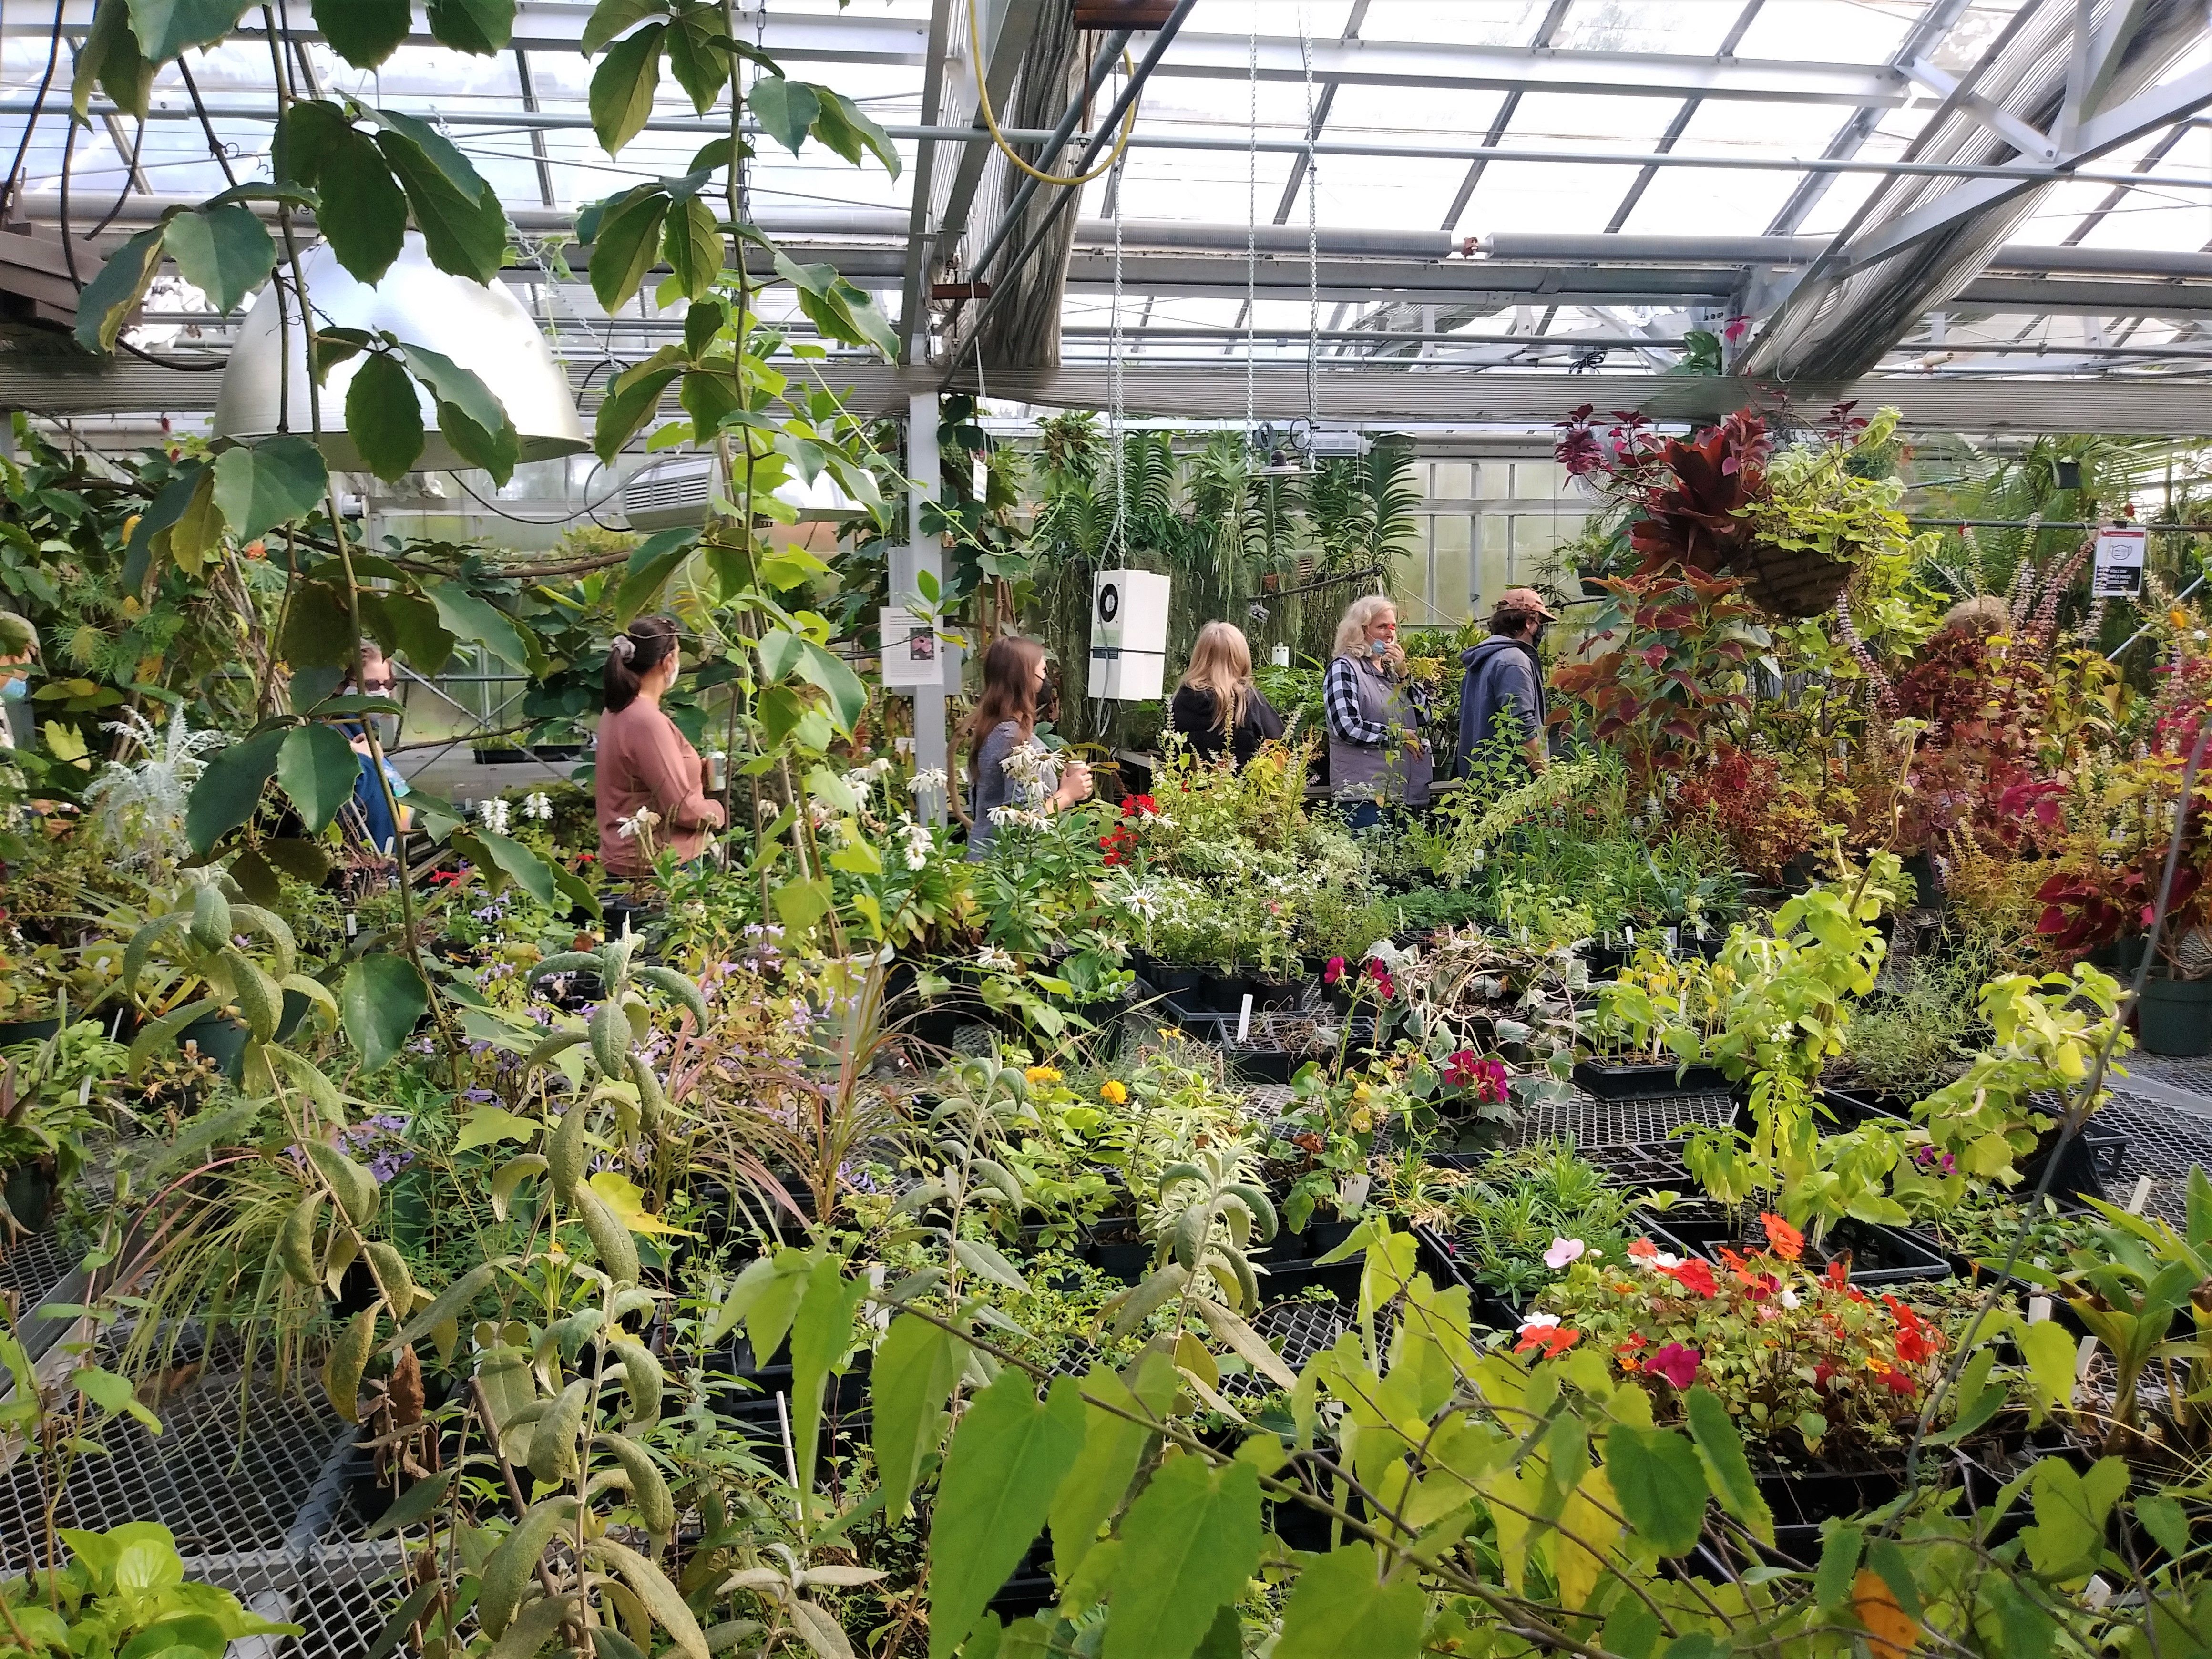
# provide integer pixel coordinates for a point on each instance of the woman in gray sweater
(1009, 771)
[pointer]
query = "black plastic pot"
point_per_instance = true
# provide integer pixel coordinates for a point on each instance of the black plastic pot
(1614, 1080)
(1117, 1247)
(13, 1031)
(2077, 1174)
(2175, 1016)
(29, 1191)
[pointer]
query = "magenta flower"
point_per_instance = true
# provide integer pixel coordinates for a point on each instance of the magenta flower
(1333, 972)
(1460, 1068)
(1675, 1364)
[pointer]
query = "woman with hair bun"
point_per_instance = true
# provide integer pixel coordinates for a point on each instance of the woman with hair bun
(643, 763)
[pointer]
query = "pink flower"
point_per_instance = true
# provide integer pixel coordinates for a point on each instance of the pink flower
(1675, 1365)
(1333, 972)
(1460, 1068)
(1563, 1251)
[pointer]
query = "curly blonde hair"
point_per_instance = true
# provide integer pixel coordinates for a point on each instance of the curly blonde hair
(1352, 631)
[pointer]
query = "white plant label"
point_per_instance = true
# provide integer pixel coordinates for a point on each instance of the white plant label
(2119, 573)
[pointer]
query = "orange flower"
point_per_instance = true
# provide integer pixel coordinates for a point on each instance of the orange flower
(1784, 1239)
(1553, 1339)
(1694, 1276)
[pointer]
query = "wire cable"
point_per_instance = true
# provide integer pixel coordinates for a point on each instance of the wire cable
(991, 121)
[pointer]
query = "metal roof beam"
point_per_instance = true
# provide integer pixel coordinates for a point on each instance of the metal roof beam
(913, 325)
(1008, 25)
(1324, 100)
(1620, 73)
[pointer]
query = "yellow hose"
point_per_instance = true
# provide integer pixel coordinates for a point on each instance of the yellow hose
(983, 103)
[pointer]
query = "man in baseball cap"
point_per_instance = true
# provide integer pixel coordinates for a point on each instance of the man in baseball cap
(1501, 701)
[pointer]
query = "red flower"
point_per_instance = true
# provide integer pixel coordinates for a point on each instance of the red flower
(1899, 1382)
(1642, 1250)
(1694, 1275)
(1459, 1069)
(1784, 1239)
(1140, 805)
(1333, 972)
(1118, 845)
(1917, 1340)
(1822, 1372)
(1675, 1364)
(1553, 1339)
(1838, 1276)
(1384, 985)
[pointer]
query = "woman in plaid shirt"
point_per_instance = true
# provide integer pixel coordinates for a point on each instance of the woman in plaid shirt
(1376, 750)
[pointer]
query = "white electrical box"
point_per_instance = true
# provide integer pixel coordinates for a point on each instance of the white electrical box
(1128, 634)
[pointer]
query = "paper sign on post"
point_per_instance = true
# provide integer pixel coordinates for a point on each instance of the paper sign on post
(2119, 563)
(913, 654)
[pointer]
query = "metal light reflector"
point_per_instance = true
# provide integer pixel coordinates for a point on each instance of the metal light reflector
(482, 328)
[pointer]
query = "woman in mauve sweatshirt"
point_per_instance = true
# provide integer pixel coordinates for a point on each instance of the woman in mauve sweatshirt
(643, 762)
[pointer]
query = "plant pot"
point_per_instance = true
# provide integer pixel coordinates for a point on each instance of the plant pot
(221, 1038)
(29, 1191)
(2078, 1174)
(1173, 978)
(1117, 1247)
(13, 1031)
(2176, 1016)
(1224, 993)
(1615, 1080)
(1276, 993)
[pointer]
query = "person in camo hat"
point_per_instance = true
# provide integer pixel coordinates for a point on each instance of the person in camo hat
(1505, 681)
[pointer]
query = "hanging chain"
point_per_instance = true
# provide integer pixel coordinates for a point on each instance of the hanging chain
(1252, 230)
(1313, 238)
(1114, 389)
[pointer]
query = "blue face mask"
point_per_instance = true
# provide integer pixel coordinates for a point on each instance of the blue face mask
(15, 688)
(1379, 647)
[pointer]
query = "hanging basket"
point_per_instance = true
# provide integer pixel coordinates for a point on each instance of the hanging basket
(1787, 583)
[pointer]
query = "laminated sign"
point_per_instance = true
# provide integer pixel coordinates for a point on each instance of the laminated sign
(2119, 563)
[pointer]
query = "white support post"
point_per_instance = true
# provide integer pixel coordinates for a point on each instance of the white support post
(923, 552)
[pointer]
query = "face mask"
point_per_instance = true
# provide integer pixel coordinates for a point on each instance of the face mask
(1379, 648)
(1537, 638)
(14, 688)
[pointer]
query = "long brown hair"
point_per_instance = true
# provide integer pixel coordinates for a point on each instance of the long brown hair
(1009, 693)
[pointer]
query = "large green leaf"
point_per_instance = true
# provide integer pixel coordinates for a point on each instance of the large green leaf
(318, 768)
(634, 400)
(470, 417)
(229, 791)
(364, 211)
(821, 1333)
(1341, 1606)
(224, 252)
(166, 28)
(1721, 1446)
(317, 627)
(1660, 1484)
(1189, 1545)
(279, 479)
(528, 872)
(847, 130)
(478, 27)
(114, 292)
(622, 85)
(463, 233)
(111, 57)
(383, 417)
(625, 240)
(650, 567)
(784, 108)
(915, 1368)
(363, 32)
(783, 655)
(406, 625)
(697, 63)
(693, 248)
(840, 310)
(611, 18)
(381, 1001)
(1007, 1458)
(1112, 1443)
(468, 615)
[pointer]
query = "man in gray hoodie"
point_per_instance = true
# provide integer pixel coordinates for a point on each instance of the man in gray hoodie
(1503, 676)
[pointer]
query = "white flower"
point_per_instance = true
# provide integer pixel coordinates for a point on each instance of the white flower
(918, 842)
(537, 805)
(1538, 1322)
(1016, 817)
(1789, 1299)
(929, 778)
(491, 812)
(637, 823)
(1657, 1260)
(995, 960)
(1563, 1251)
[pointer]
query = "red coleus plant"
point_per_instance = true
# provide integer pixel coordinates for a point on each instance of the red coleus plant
(1694, 502)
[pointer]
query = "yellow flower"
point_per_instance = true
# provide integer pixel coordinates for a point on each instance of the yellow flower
(1043, 1074)
(2178, 616)
(1361, 1094)
(1361, 1121)
(1113, 1093)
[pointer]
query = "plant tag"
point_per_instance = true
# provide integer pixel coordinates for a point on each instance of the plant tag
(1352, 1192)
(2082, 1356)
(1244, 1019)
(2039, 1310)
(1631, 933)
(84, 1089)
(353, 924)
(879, 1312)
(1674, 940)
(1578, 974)
(2140, 1196)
